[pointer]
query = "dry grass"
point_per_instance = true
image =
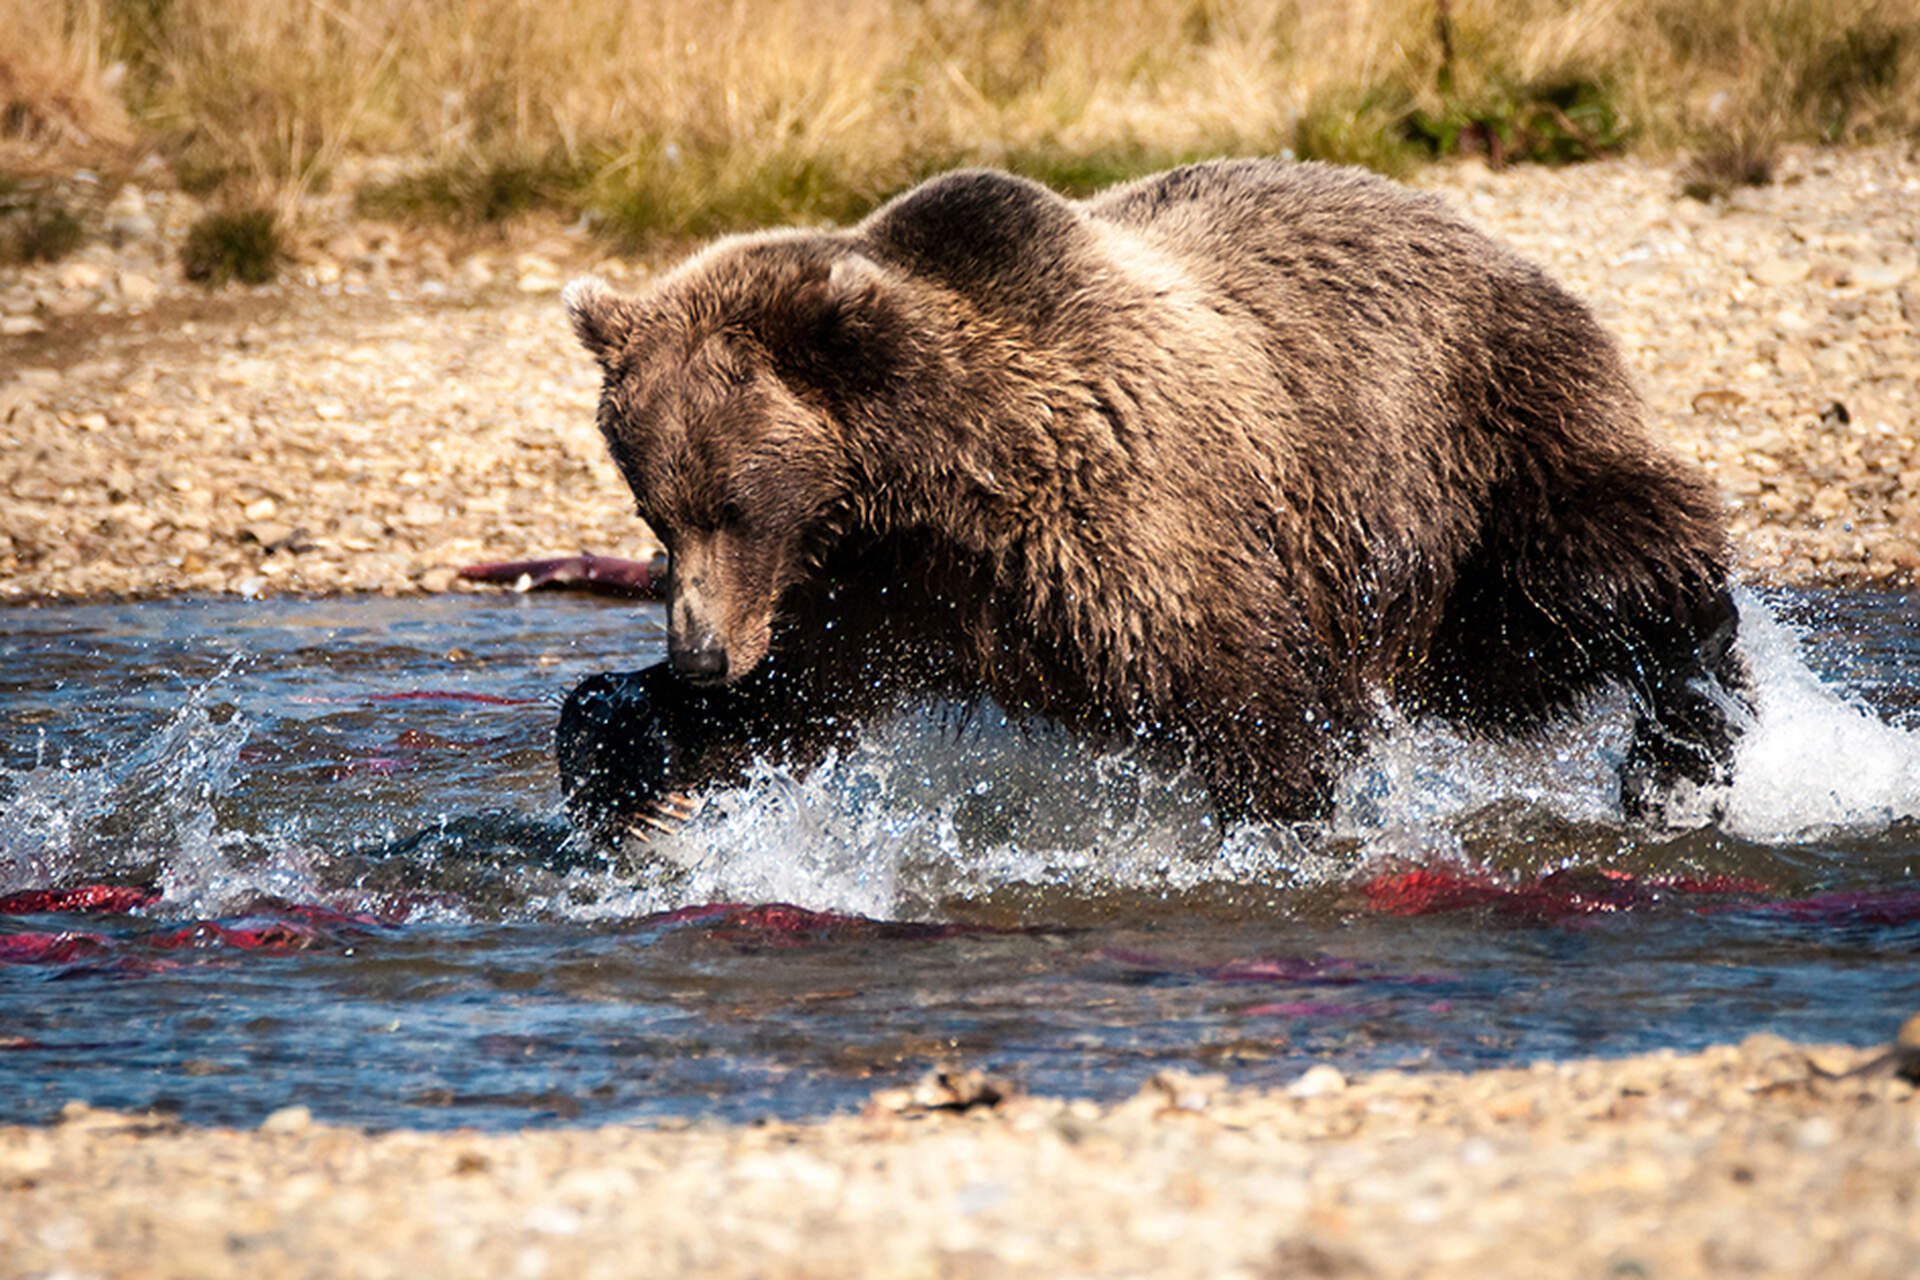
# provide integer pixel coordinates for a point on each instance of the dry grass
(685, 116)
(56, 92)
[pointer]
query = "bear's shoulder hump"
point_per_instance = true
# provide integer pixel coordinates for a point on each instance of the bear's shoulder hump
(974, 225)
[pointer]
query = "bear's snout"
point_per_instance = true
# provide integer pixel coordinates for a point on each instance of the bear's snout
(702, 662)
(696, 640)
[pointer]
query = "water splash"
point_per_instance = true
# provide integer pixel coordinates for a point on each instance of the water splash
(153, 813)
(1816, 764)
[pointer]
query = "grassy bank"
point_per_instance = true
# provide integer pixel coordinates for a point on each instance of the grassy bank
(678, 117)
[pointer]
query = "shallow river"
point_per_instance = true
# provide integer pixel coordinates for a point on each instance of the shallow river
(262, 853)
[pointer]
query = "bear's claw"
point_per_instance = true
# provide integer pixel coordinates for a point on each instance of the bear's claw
(666, 816)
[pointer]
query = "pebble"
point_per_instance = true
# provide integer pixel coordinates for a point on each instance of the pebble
(1885, 275)
(1318, 1081)
(1774, 272)
(76, 276)
(537, 274)
(140, 290)
(293, 1119)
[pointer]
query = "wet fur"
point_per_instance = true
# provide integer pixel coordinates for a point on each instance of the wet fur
(1215, 460)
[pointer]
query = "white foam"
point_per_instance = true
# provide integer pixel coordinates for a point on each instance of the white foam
(1815, 763)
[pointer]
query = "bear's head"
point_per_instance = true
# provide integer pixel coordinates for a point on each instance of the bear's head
(724, 403)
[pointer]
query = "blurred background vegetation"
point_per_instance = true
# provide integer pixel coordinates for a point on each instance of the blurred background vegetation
(673, 118)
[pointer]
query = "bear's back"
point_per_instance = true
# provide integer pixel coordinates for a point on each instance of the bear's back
(1307, 249)
(1312, 243)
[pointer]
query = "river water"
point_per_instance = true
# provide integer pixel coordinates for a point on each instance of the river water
(259, 853)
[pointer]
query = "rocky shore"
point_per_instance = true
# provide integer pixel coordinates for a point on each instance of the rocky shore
(403, 403)
(1746, 1160)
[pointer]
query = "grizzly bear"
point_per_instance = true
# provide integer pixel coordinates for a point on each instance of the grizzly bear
(1220, 462)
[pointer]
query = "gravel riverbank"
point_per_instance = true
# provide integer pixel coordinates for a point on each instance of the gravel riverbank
(1737, 1161)
(401, 406)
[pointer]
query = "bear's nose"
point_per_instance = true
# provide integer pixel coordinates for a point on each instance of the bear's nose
(707, 662)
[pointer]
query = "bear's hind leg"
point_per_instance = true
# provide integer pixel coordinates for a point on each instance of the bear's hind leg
(1516, 651)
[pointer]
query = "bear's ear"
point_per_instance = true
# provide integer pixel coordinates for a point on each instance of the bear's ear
(856, 282)
(843, 326)
(601, 317)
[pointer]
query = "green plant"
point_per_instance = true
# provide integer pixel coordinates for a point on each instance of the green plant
(1730, 157)
(1552, 122)
(39, 232)
(240, 244)
(1347, 127)
(1849, 71)
(477, 191)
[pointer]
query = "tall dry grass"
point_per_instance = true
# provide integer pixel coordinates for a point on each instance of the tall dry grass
(684, 116)
(57, 91)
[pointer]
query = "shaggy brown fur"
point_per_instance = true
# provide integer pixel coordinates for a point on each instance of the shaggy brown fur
(1214, 460)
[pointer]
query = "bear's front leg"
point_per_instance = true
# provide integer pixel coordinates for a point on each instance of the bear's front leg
(631, 744)
(617, 751)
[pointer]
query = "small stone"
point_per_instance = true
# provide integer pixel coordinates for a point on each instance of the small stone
(536, 274)
(127, 216)
(1188, 1092)
(1791, 320)
(139, 290)
(418, 511)
(1511, 1106)
(20, 326)
(77, 276)
(475, 273)
(438, 580)
(961, 1090)
(1885, 275)
(329, 410)
(1318, 1081)
(294, 1119)
(270, 534)
(135, 226)
(1718, 400)
(1764, 1045)
(1777, 272)
(260, 509)
(1791, 361)
(1910, 305)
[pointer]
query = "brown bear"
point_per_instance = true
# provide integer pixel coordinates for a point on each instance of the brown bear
(1220, 461)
